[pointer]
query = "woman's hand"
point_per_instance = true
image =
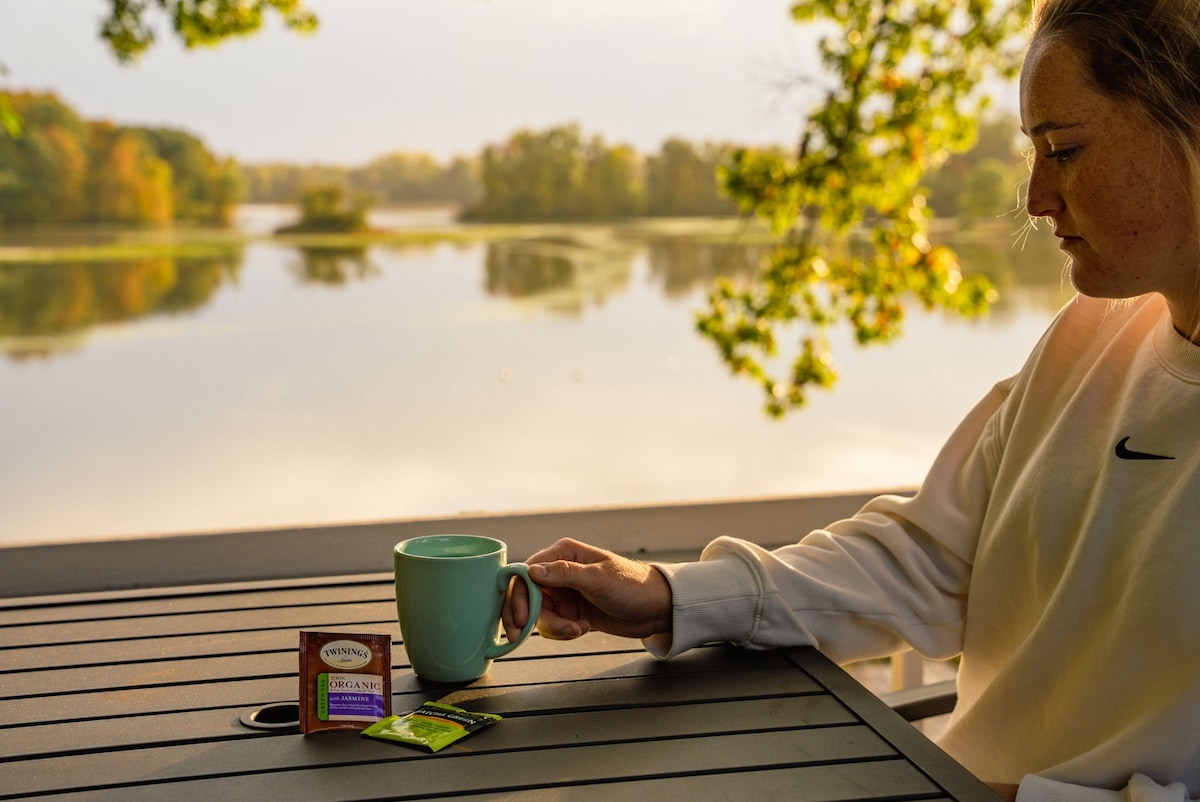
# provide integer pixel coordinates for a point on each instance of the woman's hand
(586, 588)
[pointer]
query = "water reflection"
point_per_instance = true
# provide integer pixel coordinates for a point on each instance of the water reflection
(570, 273)
(334, 266)
(682, 265)
(559, 275)
(47, 307)
(44, 307)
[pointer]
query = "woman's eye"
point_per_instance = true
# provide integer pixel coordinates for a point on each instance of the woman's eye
(1062, 155)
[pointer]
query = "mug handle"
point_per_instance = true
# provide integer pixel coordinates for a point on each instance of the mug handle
(507, 572)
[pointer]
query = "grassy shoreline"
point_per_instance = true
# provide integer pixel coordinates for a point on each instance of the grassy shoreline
(106, 243)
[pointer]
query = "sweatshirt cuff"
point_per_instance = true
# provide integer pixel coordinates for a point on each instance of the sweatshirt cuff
(1039, 789)
(715, 599)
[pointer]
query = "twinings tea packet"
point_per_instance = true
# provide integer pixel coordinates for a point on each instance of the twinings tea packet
(345, 680)
(431, 727)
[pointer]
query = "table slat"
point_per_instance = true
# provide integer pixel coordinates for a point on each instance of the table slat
(339, 616)
(895, 780)
(84, 737)
(226, 668)
(92, 607)
(410, 773)
(55, 656)
(248, 693)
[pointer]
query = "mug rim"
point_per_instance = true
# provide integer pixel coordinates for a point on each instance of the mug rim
(498, 546)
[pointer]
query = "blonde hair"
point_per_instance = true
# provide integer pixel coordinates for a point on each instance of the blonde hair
(1146, 52)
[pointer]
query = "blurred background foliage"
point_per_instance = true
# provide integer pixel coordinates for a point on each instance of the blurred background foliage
(64, 169)
(899, 134)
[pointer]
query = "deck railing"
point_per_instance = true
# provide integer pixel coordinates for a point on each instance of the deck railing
(653, 532)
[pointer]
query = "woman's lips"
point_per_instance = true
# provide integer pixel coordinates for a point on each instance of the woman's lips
(1067, 241)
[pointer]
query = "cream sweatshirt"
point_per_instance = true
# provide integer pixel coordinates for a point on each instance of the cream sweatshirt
(1054, 545)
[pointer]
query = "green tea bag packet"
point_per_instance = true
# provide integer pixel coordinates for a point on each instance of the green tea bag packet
(345, 680)
(431, 727)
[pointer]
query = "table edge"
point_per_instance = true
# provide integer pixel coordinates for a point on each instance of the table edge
(948, 773)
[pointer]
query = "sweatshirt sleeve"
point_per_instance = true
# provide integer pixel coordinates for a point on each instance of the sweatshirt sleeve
(896, 572)
(1140, 789)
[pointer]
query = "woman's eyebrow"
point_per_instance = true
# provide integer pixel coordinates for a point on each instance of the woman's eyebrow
(1049, 125)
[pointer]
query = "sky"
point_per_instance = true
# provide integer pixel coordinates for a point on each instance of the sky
(445, 77)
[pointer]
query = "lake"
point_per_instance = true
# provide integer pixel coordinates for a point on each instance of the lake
(255, 384)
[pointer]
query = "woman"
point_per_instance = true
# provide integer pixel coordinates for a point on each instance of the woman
(1055, 543)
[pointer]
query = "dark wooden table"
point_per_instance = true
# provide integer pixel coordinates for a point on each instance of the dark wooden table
(138, 695)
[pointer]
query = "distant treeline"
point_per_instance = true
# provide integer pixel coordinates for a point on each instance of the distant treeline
(394, 179)
(556, 174)
(61, 168)
(559, 174)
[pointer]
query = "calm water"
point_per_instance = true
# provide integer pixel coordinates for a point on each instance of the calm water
(273, 387)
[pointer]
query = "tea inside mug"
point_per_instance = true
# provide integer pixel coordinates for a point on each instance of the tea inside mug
(443, 546)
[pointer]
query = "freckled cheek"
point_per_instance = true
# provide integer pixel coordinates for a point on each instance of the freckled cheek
(1138, 215)
(1159, 223)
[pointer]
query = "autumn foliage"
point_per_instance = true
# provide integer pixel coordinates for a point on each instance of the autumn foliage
(60, 168)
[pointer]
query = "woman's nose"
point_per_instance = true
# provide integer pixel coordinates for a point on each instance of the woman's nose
(1042, 198)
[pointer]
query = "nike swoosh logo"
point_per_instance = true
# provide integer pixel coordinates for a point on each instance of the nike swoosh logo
(1126, 453)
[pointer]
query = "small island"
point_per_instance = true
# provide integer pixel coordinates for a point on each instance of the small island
(327, 209)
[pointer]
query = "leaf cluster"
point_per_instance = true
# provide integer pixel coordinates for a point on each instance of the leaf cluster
(899, 98)
(198, 23)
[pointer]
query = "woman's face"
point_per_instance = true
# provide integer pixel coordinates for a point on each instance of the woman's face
(1112, 184)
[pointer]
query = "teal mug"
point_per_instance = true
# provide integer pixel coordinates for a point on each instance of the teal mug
(449, 594)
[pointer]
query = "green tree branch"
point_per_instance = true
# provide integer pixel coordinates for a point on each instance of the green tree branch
(900, 99)
(197, 23)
